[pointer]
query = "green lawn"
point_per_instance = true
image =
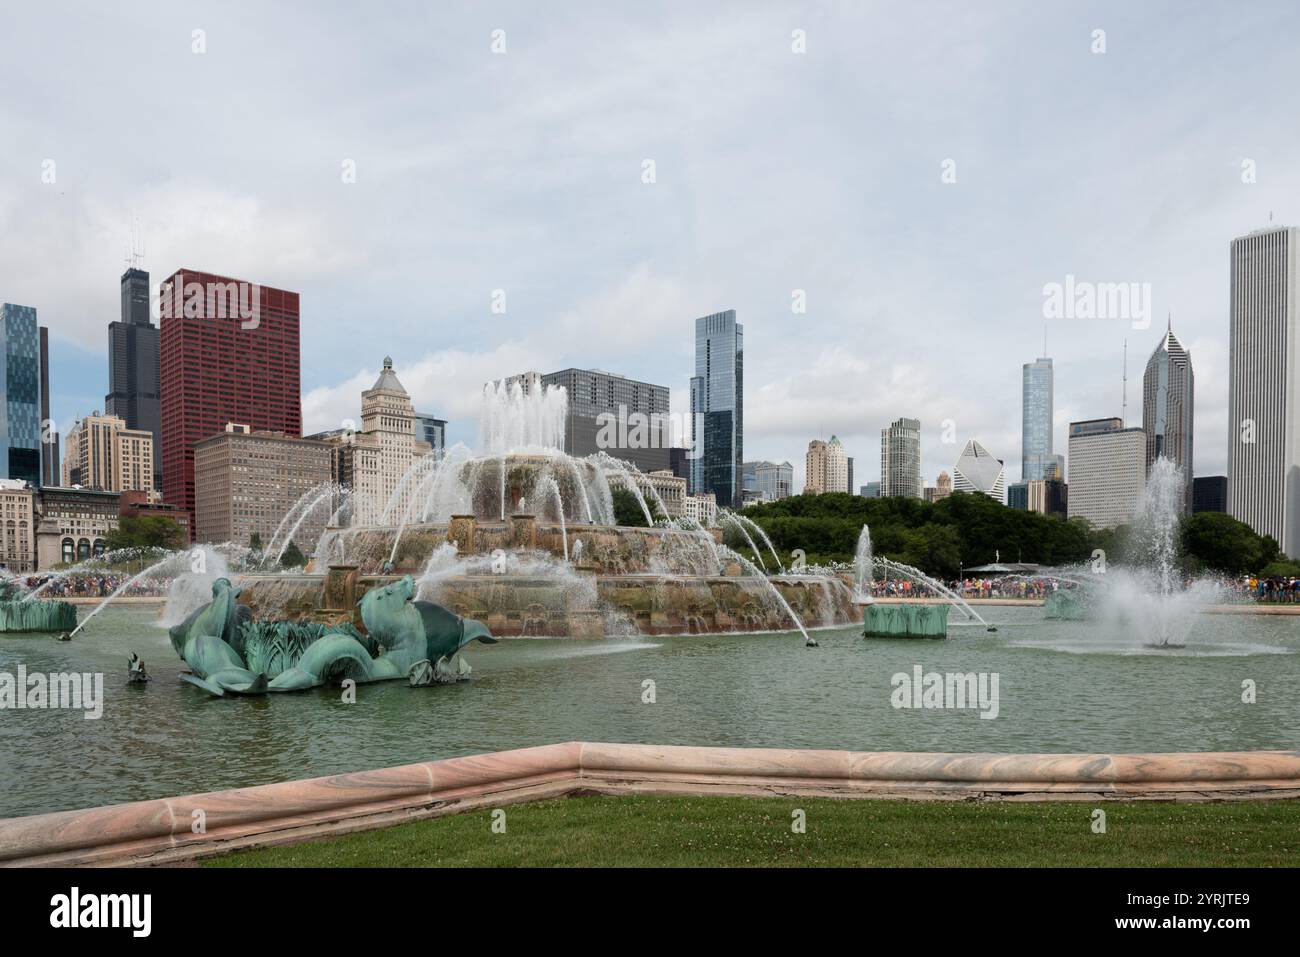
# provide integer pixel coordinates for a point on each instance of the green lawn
(756, 832)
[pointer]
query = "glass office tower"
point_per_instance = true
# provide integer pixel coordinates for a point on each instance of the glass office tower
(717, 408)
(20, 394)
(1037, 462)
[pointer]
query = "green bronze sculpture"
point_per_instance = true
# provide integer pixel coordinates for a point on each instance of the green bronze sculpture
(205, 641)
(417, 640)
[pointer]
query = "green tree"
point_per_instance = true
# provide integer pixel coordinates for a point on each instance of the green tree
(255, 542)
(627, 510)
(145, 531)
(293, 556)
(936, 549)
(1217, 541)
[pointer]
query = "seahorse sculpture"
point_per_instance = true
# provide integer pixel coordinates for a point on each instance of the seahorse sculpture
(229, 652)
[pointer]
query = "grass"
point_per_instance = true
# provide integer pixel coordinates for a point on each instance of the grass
(643, 831)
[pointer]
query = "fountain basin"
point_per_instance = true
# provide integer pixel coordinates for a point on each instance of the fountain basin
(905, 621)
(1065, 604)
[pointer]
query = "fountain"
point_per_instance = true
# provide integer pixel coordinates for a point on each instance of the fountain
(863, 572)
(902, 621)
(522, 497)
(1147, 599)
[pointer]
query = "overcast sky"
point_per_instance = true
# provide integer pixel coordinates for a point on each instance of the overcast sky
(774, 171)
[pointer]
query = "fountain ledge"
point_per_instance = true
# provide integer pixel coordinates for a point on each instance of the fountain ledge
(159, 831)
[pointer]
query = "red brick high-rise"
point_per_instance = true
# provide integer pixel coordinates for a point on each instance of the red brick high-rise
(229, 353)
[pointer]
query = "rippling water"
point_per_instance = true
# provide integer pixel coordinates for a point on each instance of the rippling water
(1064, 686)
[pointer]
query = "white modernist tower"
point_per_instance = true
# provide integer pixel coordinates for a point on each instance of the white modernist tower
(1264, 361)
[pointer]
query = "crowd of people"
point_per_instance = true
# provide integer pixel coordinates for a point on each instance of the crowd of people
(1277, 589)
(968, 588)
(90, 586)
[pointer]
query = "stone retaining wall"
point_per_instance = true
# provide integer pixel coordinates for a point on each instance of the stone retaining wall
(162, 831)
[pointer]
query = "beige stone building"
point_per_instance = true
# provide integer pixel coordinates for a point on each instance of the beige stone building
(74, 524)
(940, 490)
(245, 482)
(671, 490)
(826, 467)
(17, 526)
(372, 461)
(102, 453)
(702, 507)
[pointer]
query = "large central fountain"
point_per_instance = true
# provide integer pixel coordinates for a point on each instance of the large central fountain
(524, 537)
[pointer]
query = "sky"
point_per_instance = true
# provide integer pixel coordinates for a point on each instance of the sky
(919, 171)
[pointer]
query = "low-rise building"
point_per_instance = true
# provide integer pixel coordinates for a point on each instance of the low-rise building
(702, 507)
(246, 482)
(17, 526)
(74, 524)
(141, 504)
(768, 481)
(671, 490)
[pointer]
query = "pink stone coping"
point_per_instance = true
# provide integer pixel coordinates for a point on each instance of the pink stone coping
(165, 830)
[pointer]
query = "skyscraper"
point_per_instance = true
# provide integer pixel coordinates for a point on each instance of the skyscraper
(1107, 471)
(611, 413)
(133, 365)
(1036, 459)
(229, 353)
(20, 394)
(1167, 397)
(431, 429)
(826, 468)
(1263, 363)
(718, 408)
(900, 459)
(49, 435)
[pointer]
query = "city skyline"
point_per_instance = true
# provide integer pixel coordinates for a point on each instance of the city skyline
(744, 226)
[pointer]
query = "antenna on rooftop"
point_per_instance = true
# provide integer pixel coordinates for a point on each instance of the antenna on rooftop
(135, 249)
(1123, 413)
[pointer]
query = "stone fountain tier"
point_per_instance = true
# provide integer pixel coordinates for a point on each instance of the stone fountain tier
(584, 605)
(605, 549)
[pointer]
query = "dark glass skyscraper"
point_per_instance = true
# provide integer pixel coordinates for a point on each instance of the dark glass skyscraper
(718, 408)
(20, 394)
(133, 365)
